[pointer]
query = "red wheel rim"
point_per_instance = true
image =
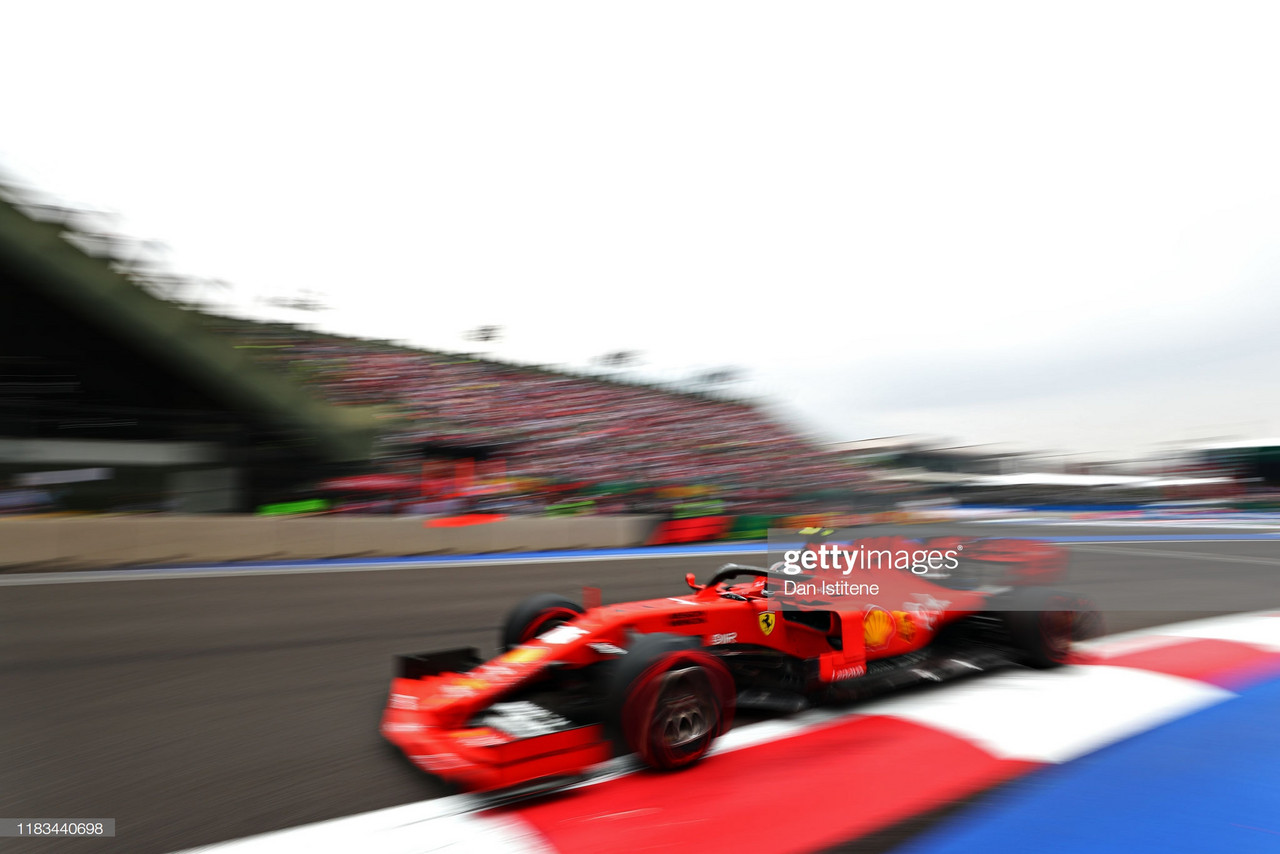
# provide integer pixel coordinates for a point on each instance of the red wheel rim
(678, 708)
(546, 621)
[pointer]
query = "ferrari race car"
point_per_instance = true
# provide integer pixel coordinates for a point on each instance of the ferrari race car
(662, 678)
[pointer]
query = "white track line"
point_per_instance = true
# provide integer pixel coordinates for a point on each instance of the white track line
(1262, 626)
(1118, 549)
(1222, 524)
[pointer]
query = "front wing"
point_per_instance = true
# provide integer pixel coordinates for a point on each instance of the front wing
(507, 744)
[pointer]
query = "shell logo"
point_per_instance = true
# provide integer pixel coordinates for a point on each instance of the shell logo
(877, 628)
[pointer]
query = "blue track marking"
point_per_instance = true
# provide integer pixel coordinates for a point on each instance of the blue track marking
(1206, 783)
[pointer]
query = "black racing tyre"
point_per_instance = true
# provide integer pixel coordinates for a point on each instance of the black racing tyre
(1089, 623)
(1041, 624)
(668, 701)
(536, 615)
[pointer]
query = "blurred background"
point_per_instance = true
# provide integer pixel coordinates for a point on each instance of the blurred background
(123, 392)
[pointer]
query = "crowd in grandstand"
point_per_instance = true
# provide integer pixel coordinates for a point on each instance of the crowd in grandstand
(553, 427)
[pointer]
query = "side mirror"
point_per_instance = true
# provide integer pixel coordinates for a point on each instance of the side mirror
(692, 581)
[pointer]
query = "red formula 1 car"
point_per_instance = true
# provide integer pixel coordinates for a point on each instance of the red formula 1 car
(662, 678)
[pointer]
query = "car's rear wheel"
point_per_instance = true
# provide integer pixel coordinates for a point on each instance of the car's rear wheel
(670, 701)
(1041, 625)
(537, 615)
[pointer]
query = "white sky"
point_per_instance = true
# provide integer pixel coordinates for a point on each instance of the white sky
(1052, 224)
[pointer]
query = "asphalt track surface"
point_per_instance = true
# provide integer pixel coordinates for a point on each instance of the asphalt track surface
(200, 709)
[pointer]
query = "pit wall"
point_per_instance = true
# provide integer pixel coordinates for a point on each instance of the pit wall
(74, 542)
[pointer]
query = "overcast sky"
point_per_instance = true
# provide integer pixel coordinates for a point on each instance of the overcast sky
(1050, 224)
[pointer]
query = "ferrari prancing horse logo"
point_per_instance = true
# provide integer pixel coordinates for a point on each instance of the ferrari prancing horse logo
(767, 621)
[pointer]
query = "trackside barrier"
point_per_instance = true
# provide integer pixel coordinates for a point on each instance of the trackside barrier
(141, 540)
(754, 527)
(152, 539)
(696, 530)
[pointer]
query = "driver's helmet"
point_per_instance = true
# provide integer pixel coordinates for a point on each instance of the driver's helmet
(815, 537)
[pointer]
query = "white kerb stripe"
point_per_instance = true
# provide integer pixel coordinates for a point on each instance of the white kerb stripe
(1056, 715)
(1260, 629)
(1262, 632)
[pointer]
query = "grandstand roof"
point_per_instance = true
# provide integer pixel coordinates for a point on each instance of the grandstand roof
(44, 271)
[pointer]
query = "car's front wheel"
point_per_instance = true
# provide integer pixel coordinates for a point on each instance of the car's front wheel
(537, 615)
(670, 701)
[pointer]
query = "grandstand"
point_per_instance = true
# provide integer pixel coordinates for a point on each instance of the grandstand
(540, 435)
